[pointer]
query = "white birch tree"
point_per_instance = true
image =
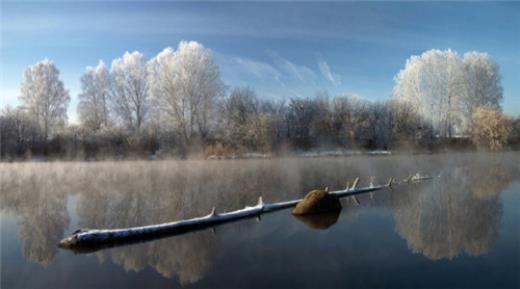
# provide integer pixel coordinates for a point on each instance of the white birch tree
(483, 82)
(44, 97)
(435, 85)
(93, 108)
(185, 85)
(129, 89)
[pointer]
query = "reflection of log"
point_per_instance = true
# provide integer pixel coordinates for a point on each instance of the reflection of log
(87, 240)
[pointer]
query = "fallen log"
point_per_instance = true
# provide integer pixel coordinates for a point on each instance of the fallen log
(89, 240)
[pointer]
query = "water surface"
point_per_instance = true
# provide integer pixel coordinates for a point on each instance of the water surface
(459, 230)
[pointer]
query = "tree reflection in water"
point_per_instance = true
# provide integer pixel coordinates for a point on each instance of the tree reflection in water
(460, 211)
(40, 209)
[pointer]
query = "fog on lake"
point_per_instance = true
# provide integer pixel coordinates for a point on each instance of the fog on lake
(458, 222)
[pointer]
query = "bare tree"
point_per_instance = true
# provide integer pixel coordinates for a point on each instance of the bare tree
(309, 121)
(93, 100)
(18, 132)
(239, 111)
(129, 89)
(514, 137)
(342, 121)
(406, 129)
(44, 96)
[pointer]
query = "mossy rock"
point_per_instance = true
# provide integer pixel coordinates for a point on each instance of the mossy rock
(321, 221)
(317, 201)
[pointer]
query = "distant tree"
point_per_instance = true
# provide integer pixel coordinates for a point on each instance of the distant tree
(19, 132)
(185, 85)
(250, 123)
(321, 126)
(44, 97)
(299, 118)
(514, 137)
(239, 110)
(129, 89)
(382, 119)
(93, 100)
(309, 122)
(342, 113)
(406, 129)
(362, 122)
(491, 128)
(272, 124)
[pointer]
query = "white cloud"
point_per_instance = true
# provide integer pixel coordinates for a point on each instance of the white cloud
(327, 73)
(278, 75)
(291, 69)
(257, 68)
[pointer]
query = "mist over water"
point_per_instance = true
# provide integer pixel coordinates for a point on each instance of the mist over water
(461, 222)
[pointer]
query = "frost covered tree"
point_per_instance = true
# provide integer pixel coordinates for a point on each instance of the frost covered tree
(445, 89)
(44, 97)
(129, 89)
(93, 100)
(483, 82)
(185, 85)
(434, 85)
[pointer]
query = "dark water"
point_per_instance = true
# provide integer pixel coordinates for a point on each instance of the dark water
(460, 230)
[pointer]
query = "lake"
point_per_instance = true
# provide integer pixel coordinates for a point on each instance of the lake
(459, 230)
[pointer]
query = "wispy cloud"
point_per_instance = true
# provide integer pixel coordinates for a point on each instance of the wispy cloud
(243, 71)
(278, 74)
(258, 68)
(327, 73)
(291, 69)
(278, 77)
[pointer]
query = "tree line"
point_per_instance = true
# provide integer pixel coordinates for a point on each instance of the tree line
(176, 104)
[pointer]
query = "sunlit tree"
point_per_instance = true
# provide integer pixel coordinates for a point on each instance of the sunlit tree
(44, 96)
(129, 89)
(434, 84)
(93, 100)
(185, 85)
(491, 128)
(483, 82)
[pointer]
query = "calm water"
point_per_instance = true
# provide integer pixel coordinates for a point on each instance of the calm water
(460, 230)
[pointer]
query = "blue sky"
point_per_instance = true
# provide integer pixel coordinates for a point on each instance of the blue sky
(282, 49)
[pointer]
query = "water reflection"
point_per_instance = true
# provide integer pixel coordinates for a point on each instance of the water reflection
(321, 221)
(41, 212)
(460, 211)
(187, 257)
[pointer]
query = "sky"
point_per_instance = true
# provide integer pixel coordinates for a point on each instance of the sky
(281, 49)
